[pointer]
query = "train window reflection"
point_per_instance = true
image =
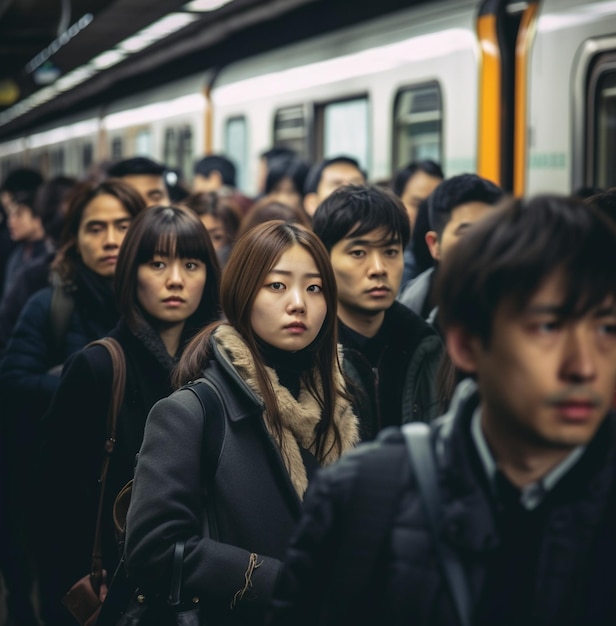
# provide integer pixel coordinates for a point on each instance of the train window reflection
(178, 149)
(345, 129)
(418, 124)
(290, 129)
(57, 162)
(170, 148)
(143, 142)
(116, 148)
(87, 156)
(605, 132)
(236, 148)
(185, 150)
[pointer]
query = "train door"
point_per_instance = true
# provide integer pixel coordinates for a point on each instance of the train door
(505, 31)
(595, 116)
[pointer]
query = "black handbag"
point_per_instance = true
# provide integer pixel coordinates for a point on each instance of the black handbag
(127, 606)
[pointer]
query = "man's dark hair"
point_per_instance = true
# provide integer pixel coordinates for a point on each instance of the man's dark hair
(316, 171)
(604, 202)
(217, 163)
(507, 256)
(403, 175)
(49, 203)
(136, 166)
(278, 152)
(355, 210)
(292, 168)
(453, 192)
(22, 184)
(582, 193)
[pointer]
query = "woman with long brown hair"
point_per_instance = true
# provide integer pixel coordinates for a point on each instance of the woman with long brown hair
(226, 460)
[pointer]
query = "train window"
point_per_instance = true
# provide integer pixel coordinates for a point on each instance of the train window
(185, 150)
(345, 129)
(143, 143)
(418, 124)
(87, 156)
(116, 148)
(236, 147)
(170, 148)
(57, 162)
(290, 129)
(605, 131)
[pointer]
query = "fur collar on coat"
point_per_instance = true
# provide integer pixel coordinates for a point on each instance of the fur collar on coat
(299, 417)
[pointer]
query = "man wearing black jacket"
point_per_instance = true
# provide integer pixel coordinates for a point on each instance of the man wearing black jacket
(526, 455)
(390, 354)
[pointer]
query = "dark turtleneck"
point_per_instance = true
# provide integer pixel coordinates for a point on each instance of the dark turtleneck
(289, 366)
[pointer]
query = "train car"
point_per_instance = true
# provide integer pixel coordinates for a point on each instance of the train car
(523, 92)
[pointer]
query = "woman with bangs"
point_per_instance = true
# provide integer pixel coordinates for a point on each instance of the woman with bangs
(166, 287)
(226, 459)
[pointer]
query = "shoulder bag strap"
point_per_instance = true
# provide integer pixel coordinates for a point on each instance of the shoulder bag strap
(213, 434)
(417, 436)
(117, 396)
(176, 574)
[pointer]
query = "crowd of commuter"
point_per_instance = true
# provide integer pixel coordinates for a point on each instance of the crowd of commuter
(275, 349)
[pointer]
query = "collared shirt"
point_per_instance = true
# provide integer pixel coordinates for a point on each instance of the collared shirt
(531, 496)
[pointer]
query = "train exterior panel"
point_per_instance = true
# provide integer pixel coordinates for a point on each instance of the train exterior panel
(558, 109)
(372, 65)
(401, 87)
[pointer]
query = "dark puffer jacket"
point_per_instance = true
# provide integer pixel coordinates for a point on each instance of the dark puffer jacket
(27, 384)
(31, 353)
(574, 573)
(400, 387)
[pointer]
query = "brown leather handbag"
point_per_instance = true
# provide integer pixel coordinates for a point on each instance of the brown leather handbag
(83, 599)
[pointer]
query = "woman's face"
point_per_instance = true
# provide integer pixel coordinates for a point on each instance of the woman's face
(102, 229)
(216, 231)
(290, 306)
(286, 193)
(170, 288)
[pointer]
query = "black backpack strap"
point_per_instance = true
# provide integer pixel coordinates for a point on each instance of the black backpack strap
(214, 422)
(417, 436)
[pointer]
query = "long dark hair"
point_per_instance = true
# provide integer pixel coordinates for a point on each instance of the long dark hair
(176, 232)
(252, 258)
(80, 198)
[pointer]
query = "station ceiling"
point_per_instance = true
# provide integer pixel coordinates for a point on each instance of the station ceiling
(42, 41)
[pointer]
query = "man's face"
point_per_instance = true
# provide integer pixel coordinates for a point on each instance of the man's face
(202, 184)
(102, 229)
(337, 175)
(368, 270)
(151, 188)
(23, 225)
(418, 187)
(462, 218)
(545, 380)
